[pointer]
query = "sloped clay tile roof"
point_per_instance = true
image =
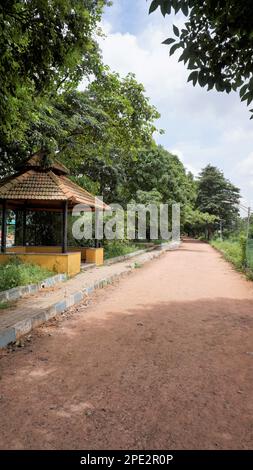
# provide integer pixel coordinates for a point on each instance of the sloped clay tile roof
(36, 161)
(50, 184)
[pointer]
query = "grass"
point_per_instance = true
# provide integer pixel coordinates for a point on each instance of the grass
(137, 265)
(117, 248)
(5, 304)
(15, 273)
(235, 252)
(232, 252)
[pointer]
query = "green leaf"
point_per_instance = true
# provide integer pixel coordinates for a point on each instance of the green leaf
(193, 77)
(154, 5)
(202, 79)
(192, 65)
(210, 85)
(250, 98)
(219, 85)
(243, 90)
(185, 9)
(165, 7)
(168, 41)
(176, 30)
(177, 6)
(245, 97)
(174, 48)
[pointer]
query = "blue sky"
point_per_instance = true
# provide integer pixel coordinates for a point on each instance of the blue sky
(201, 127)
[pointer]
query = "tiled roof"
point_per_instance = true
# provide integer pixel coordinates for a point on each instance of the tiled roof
(36, 161)
(46, 185)
(32, 185)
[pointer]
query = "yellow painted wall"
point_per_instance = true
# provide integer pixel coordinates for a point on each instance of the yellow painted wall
(95, 255)
(69, 263)
(43, 249)
(74, 263)
(16, 249)
(46, 249)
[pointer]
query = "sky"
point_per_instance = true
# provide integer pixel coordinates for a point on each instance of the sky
(200, 127)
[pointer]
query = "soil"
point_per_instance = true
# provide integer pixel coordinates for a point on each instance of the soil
(163, 359)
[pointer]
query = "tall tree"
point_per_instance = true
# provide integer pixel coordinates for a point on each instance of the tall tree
(157, 169)
(216, 42)
(217, 196)
(95, 131)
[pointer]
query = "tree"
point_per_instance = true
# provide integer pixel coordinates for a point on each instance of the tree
(197, 223)
(45, 45)
(218, 197)
(96, 132)
(157, 169)
(216, 42)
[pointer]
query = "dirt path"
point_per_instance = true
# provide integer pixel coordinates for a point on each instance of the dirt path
(164, 359)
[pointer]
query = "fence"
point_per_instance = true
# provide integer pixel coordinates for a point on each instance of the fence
(249, 253)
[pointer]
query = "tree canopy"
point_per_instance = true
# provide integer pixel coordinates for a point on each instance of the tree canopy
(157, 169)
(217, 196)
(216, 42)
(45, 45)
(106, 123)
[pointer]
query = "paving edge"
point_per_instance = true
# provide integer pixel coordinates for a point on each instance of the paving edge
(162, 246)
(17, 292)
(19, 329)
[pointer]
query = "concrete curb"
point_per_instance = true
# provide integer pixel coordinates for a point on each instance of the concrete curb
(13, 333)
(17, 292)
(119, 259)
(162, 246)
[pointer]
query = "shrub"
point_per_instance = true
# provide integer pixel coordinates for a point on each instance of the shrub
(118, 248)
(14, 273)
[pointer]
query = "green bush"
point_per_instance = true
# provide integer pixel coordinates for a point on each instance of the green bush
(119, 248)
(14, 273)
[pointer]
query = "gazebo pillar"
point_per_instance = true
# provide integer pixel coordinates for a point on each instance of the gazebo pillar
(24, 227)
(65, 227)
(4, 226)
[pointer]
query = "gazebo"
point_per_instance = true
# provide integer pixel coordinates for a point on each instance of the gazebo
(45, 186)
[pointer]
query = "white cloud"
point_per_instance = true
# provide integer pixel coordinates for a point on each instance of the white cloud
(187, 165)
(245, 167)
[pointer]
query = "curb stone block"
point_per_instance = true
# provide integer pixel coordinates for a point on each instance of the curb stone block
(13, 294)
(17, 292)
(23, 327)
(24, 290)
(7, 336)
(78, 296)
(70, 301)
(33, 288)
(50, 313)
(60, 306)
(2, 297)
(89, 290)
(38, 319)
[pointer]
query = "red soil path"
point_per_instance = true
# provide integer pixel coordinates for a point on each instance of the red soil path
(163, 359)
